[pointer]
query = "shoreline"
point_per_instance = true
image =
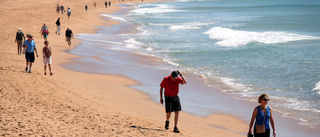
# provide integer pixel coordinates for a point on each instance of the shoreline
(72, 103)
(244, 118)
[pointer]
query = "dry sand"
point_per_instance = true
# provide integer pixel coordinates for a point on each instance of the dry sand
(71, 103)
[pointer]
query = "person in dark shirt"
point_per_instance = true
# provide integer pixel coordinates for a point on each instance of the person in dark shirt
(19, 39)
(62, 9)
(69, 35)
(58, 26)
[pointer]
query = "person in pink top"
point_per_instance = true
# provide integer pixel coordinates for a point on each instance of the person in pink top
(170, 85)
(47, 52)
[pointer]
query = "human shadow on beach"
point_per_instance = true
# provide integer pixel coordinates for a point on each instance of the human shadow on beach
(18, 60)
(139, 128)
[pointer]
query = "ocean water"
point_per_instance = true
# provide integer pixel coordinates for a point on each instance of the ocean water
(243, 47)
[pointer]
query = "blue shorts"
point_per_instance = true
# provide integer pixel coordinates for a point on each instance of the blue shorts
(30, 57)
(172, 104)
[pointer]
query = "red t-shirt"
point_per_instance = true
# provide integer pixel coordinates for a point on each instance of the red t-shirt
(171, 87)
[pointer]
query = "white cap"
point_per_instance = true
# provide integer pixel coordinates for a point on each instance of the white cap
(19, 29)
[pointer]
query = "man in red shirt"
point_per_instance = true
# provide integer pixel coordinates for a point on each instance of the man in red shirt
(172, 101)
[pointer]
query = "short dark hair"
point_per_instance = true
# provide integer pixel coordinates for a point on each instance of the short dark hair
(46, 42)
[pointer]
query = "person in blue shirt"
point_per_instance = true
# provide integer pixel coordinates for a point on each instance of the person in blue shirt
(262, 114)
(30, 46)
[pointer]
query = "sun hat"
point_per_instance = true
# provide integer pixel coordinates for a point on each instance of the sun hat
(19, 29)
(29, 35)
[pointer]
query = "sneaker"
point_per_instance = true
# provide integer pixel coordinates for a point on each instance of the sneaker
(176, 130)
(167, 125)
(26, 69)
(29, 70)
(45, 73)
(51, 73)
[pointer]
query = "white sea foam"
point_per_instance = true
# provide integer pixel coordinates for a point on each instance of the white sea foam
(170, 62)
(156, 9)
(317, 88)
(296, 104)
(236, 38)
(184, 26)
(232, 83)
(114, 17)
(133, 43)
(149, 49)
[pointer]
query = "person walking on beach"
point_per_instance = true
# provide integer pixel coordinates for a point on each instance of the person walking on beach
(109, 3)
(86, 7)
(58, 9)
(30, 46)
(62, 9)
(172, 101)
(262, 114)
(69, 12)
(69, 35)
(106, 4)
(44, 31)
(19, 39)
(94, 4)
(58, 26)
(47, 52)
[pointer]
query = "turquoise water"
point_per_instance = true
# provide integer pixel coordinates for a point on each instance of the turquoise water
(243, 47)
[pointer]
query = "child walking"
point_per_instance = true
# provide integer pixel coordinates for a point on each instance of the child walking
(47, 52)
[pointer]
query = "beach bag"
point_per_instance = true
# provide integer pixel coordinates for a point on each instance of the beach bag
(261, 128)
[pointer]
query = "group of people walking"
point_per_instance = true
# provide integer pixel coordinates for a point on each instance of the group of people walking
(28, 46)
(61, 8)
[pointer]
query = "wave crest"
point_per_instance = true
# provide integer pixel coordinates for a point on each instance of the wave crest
(154, 9)
(236, 38)
(317, 87)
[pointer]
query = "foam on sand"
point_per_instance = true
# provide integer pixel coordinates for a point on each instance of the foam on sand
(114, 17)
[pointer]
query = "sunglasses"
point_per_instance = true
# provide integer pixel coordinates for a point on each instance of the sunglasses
(265, 99)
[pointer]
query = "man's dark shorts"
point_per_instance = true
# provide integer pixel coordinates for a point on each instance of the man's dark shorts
(30, 57)
(172, 104)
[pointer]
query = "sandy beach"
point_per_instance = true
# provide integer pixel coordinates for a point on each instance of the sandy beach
(71, 103)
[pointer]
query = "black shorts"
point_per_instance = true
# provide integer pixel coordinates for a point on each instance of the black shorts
(172, 104)
(29, 56)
